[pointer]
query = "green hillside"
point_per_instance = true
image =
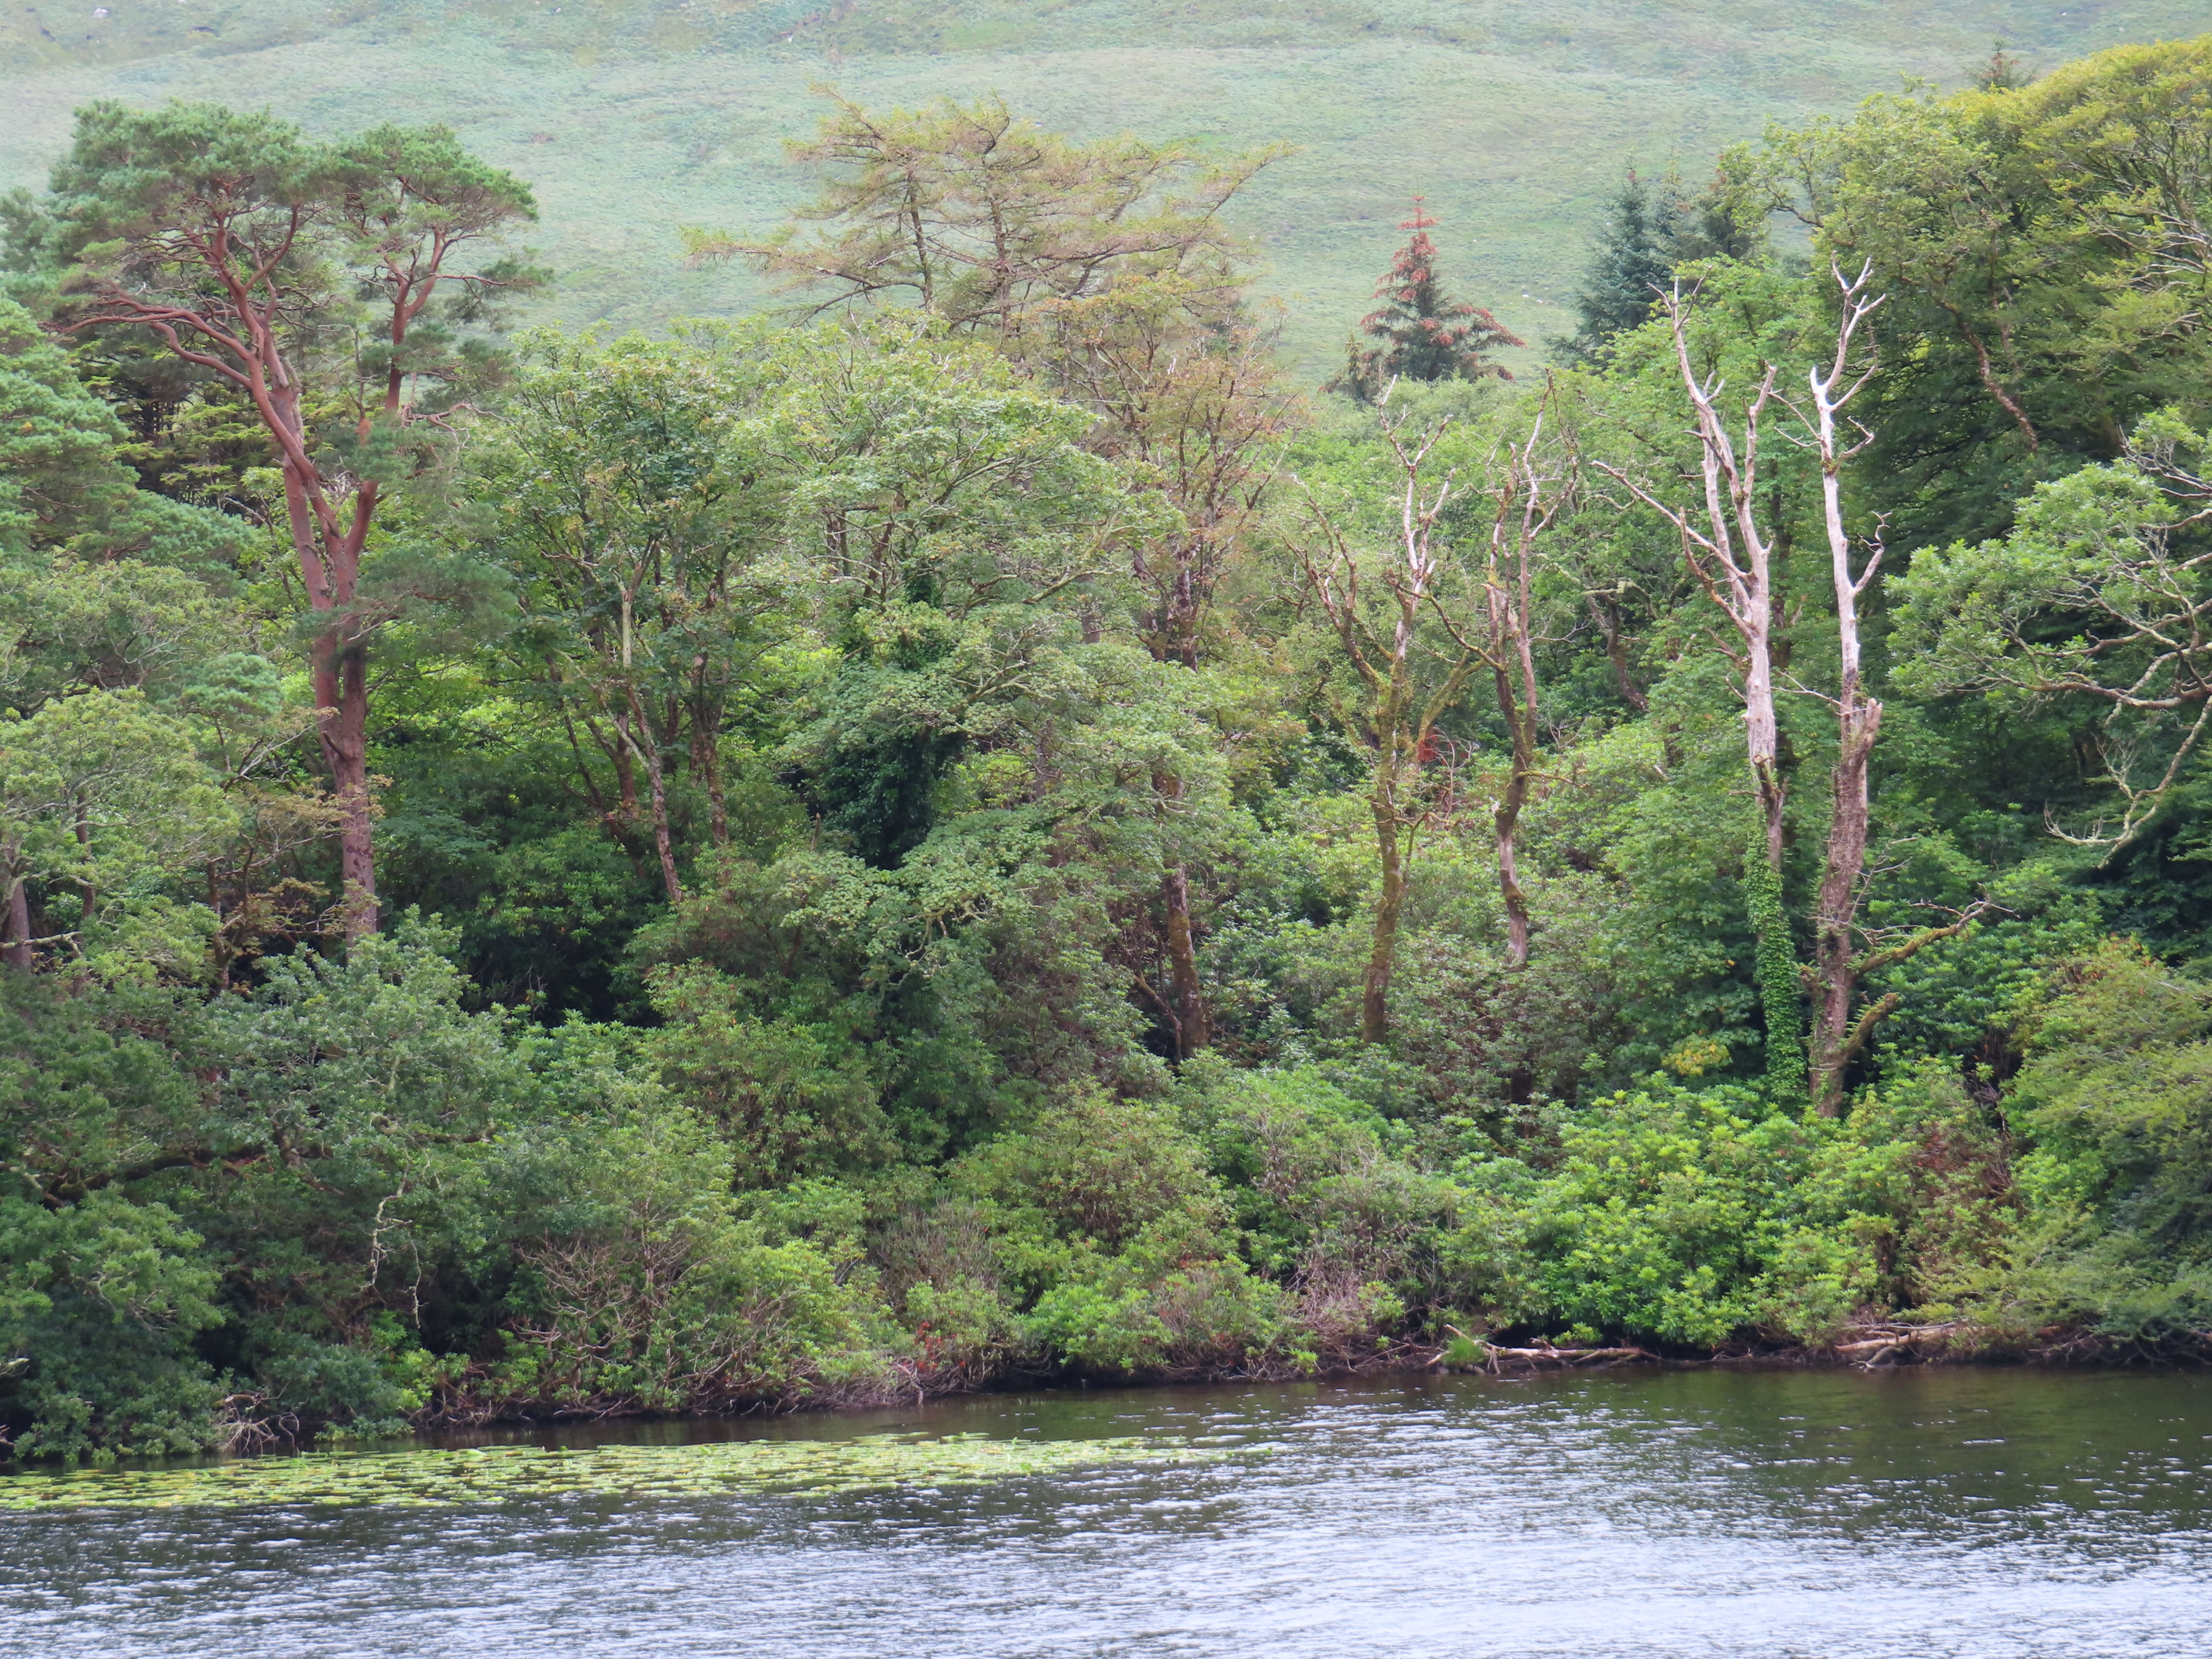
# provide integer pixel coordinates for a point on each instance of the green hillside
(632, 116)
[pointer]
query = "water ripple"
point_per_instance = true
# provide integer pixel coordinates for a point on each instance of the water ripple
(1690, 1514)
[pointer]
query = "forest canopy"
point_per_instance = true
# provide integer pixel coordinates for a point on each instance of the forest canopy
(972, 829)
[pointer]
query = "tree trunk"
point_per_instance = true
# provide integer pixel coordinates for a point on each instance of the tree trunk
(1836, 966)
(17, 951)
(1375, 995)
(340, 674)
(1616, 654)
(1835, 948)
(1735, 560)
(718, 806)
(625, 749)
(1384, 660)
(1505, 822)
(88, 889)
(1781, 1000)
(707, 765)
(656, 786)
(1182, 608)
(1188, 1000)
(342, 686)
(1761, 740)
(1531, 498)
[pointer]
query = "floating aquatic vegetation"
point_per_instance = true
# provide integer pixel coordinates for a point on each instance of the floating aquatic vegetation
(492, 1475)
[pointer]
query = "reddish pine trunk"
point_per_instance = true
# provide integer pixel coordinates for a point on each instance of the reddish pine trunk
(329, 568)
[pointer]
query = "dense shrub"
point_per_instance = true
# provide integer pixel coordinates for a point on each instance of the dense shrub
(642, 1288)
(2114, 1105)
(99, 1301)
(1691, 1218)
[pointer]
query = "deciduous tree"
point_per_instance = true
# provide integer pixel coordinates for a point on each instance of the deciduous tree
(636, 494)
(978, 217)
(1408, 679)
(2099, 597)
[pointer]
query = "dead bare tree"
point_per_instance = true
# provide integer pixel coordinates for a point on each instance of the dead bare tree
(1834, 977)
(1733, 558)
(1840, 1028)
(1730, 555)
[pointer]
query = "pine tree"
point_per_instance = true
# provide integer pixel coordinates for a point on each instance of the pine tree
(1635, 257)
(2003, 72)
(1422, 333)
(1647, 231)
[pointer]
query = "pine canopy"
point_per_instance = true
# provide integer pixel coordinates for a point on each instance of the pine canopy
(1420, 332)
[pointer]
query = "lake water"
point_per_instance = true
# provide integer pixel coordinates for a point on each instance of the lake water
(1648, 1513)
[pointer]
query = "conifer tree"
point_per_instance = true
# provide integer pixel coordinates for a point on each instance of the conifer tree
(1647, 231)
(1634, 258)
(1421, 332)
(2003, 72)
(306, 278)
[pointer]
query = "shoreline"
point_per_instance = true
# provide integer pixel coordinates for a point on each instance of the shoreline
(1870, 1348)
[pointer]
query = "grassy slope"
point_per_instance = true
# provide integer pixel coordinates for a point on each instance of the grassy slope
(633, 116)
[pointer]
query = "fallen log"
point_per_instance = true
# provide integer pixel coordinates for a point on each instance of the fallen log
(1496, 1359)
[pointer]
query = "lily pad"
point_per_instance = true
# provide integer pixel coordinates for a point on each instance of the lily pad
(493, 1475)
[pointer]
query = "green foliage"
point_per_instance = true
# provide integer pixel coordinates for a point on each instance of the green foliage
(644, 1290)
(1322, 1186)
(975, 216)
(188, 216)
(1108, 1209)
(2025, 232)
(1647, 232)
(99, 1301)
(1420, 332)
(1692, 1217)
(795, 1100)
(64, 487)
(1780, 999)
(104, 795)
(901, 849)
(1151, 1310)
(1098, 1171)
(2114, 1099)
(2092, 598)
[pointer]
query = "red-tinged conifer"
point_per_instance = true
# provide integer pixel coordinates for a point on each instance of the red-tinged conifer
(1421, 332)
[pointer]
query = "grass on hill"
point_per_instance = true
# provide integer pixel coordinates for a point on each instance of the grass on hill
(633, 116)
